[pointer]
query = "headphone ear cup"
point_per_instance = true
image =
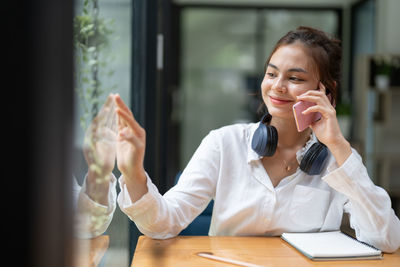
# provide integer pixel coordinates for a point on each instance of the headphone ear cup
(272, 141)
(314, 159)
(265, 140)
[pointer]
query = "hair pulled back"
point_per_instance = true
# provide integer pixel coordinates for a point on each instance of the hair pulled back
(325, 51)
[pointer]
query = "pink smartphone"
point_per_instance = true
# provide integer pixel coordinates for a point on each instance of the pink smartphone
(303, 121)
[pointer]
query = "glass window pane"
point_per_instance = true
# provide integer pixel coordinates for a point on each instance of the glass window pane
(218, 53)
(280, 21)
(102, 66)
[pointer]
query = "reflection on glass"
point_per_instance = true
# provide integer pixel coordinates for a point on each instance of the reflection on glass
(95, 209)
(95, 201)
(102, 41)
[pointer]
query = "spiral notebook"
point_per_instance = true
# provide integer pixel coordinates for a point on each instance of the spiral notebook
(334, 245)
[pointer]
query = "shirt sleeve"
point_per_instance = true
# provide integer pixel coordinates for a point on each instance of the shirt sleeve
(369, 206)
(166, 216)
(92, 218)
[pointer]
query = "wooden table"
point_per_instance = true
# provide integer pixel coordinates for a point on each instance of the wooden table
(88, 252)
(265, 251)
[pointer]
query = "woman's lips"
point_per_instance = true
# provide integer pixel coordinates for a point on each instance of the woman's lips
(279, 101)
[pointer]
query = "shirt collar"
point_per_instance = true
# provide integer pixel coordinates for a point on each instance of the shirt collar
(253, 156)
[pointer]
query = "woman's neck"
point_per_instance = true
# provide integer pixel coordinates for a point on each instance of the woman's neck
(288, 136)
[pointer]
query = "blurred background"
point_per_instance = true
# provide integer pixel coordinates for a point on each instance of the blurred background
(186, 67)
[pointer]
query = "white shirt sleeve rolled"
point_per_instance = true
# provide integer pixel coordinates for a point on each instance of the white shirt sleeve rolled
(166, 216)
(92, 218)
(369, 206)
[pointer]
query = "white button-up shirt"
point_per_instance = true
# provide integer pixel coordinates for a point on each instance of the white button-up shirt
(226, 169)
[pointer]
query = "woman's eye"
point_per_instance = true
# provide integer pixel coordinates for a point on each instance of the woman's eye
(271, 75)
(296, 79)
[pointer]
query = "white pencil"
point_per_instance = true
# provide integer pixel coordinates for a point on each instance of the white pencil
(209, 255)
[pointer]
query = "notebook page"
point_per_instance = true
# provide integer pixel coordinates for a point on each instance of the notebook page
(329, 244)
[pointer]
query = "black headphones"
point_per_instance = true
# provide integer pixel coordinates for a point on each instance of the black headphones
(265, 141)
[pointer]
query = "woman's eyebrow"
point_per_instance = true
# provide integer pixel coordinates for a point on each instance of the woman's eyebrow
(273, 66)
(297, 70)
(290, 70)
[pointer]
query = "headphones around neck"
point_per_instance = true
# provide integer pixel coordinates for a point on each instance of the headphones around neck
(265, 141)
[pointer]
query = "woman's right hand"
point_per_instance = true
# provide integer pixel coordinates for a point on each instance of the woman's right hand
(131, 144)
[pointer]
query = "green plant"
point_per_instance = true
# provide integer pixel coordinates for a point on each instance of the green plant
(343, 109)
(383, 65)
(92, 41)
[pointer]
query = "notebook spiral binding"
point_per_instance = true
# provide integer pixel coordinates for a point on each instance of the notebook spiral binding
(366, 244)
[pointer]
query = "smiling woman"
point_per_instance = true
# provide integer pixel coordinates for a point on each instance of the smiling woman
(314, 171)
(295, 68)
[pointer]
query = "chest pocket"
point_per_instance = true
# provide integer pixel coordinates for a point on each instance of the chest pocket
(308, 208)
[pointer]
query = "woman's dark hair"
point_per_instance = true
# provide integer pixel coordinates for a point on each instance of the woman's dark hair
(325, 50)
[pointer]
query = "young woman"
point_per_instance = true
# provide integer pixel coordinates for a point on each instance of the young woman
(302, 182)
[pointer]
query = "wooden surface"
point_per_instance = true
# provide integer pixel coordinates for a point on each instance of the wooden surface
(265, 251)
(88, 252)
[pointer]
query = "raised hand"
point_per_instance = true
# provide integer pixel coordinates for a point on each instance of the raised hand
(100, 150)
(327, 129)
(130, 150)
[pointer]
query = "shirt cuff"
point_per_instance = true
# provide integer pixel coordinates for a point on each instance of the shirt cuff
(133, 209)
(93, 218)
(93, 205)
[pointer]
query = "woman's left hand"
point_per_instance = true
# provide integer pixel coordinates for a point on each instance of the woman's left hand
(327, 129)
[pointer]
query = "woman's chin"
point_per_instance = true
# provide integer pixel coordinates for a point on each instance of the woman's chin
(281, 112)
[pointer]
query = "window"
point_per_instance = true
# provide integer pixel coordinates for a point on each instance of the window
(102, 42)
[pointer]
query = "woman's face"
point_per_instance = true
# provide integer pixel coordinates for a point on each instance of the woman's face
(290, 72)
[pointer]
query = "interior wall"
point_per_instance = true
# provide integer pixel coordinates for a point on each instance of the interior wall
(387, 23)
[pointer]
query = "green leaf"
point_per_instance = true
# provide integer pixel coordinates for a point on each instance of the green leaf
(92, 62)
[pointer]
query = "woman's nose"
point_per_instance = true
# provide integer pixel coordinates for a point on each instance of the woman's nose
(279, 85)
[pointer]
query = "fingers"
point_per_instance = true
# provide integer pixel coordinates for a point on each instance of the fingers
(323, 109)
(109, 100)
(309, 98)
(121, 104)
(128, 136)
(319, 97)
(107, 106)
(111, 116)
(322, 88)
(311, 110)
(113, 123)
(104, 115)
(107, 134)
(320, 92)
(312, 93)
(116, 116)
(316, 96)
(127, 119)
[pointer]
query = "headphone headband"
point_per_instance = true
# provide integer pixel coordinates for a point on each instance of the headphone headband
(265, 142)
